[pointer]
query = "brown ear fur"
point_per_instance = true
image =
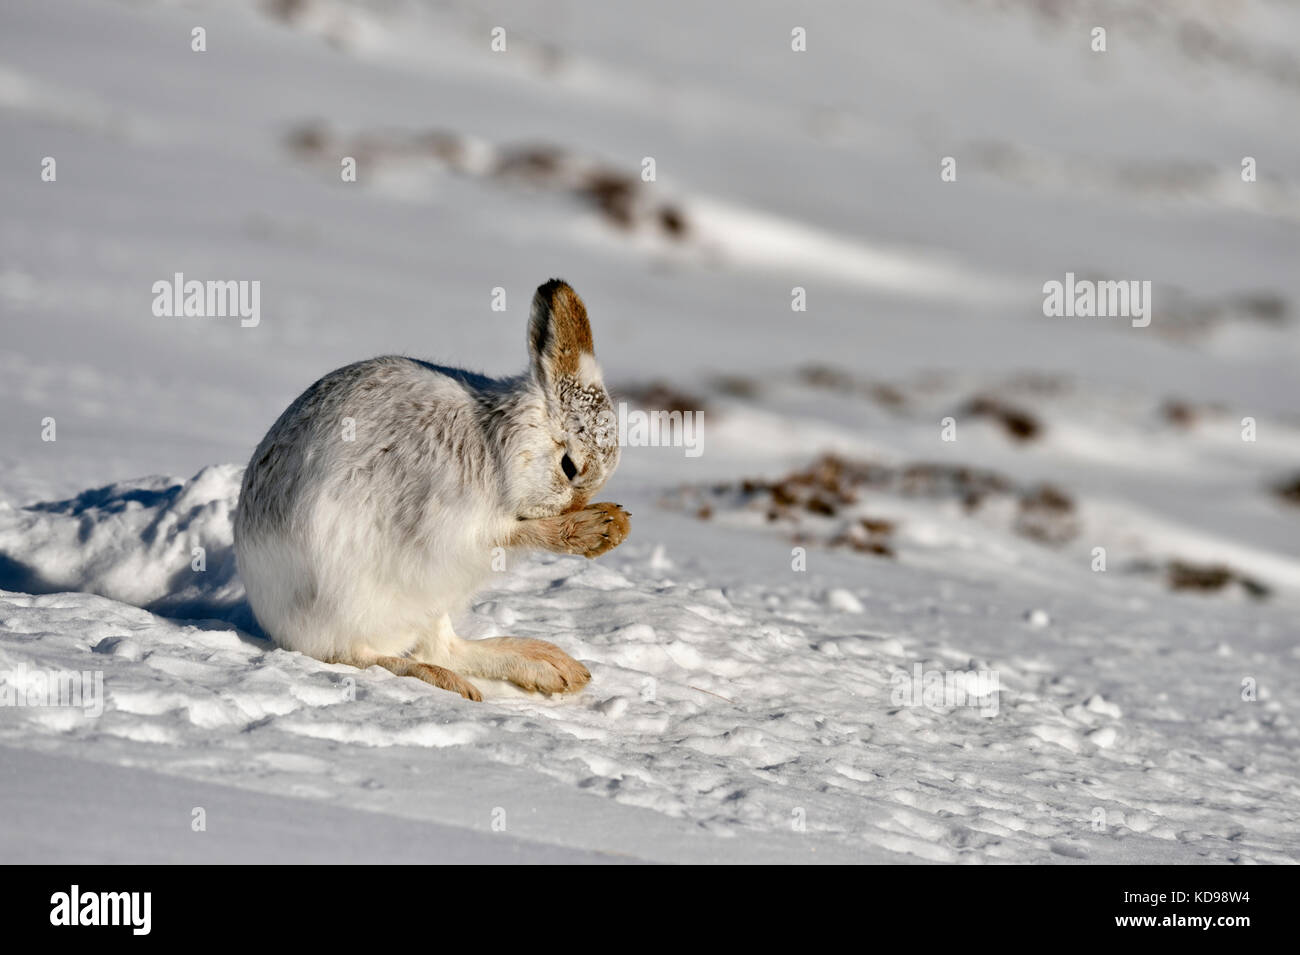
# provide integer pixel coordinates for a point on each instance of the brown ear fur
(558, 331)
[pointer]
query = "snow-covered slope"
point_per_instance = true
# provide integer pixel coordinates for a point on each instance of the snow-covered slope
(764, 647)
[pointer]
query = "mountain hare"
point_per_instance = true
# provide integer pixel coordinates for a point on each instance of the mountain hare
(370, 511)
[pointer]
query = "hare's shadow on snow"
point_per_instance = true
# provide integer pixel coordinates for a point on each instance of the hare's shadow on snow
(212, 600)
(212, 615)
(206, 612)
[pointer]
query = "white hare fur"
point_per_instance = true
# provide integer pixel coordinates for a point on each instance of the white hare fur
(370, 512)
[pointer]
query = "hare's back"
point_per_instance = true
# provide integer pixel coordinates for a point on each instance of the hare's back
(360, 423)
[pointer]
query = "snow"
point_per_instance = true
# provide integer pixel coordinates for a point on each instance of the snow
(813, 686)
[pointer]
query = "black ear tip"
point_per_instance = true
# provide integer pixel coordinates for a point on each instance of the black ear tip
(548, 289)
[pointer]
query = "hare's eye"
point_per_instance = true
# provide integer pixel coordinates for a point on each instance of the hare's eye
(566, 464)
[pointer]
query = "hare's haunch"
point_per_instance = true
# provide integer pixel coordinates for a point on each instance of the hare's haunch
(371, 510)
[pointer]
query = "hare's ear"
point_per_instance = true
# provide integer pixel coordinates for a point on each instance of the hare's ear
(559, 334)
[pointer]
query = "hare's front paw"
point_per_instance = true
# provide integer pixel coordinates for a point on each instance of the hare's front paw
(596, 529)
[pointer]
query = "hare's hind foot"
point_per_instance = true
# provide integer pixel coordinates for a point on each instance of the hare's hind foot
(530, 664)
(440, 677)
